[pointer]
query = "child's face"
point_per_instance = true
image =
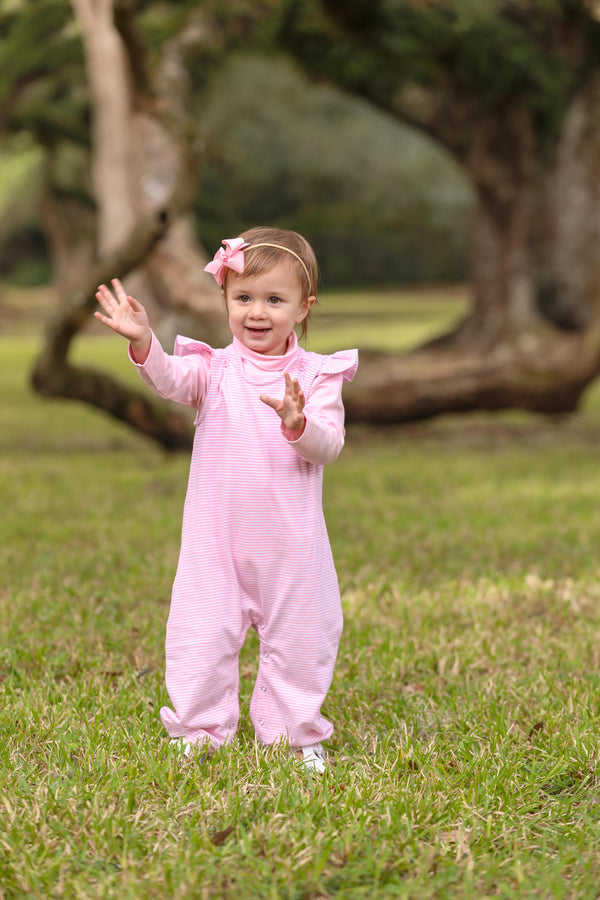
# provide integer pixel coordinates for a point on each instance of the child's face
(263, 309)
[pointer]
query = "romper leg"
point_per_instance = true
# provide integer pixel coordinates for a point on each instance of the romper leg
(204, 637)
(297, 658)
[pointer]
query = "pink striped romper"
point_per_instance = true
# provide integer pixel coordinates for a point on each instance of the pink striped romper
(254, 548)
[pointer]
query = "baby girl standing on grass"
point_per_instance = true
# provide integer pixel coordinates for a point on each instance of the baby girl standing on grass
(254, 548)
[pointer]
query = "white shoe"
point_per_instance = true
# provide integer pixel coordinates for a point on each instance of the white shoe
(182, 745)
(185, 749)
(312, 757)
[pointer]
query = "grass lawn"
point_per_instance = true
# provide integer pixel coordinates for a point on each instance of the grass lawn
(466, 700)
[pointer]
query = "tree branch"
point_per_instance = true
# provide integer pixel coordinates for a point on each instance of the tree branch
(71, 317)
(54, 376)
(537, 373)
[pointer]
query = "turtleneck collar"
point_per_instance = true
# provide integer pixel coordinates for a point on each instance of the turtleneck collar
(269, 363)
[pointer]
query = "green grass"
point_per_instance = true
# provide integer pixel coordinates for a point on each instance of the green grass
(388, 320)
(466, 698)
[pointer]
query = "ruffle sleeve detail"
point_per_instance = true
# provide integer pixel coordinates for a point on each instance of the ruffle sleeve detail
(185, 346)
(344, 362)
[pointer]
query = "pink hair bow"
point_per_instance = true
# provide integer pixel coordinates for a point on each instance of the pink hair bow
(232, 257)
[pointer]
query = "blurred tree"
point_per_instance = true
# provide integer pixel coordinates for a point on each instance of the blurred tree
(511, 88)
(145, 63)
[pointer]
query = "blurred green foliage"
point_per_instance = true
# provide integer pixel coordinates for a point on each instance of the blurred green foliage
(23, 251)
(380, 202)
(492, 52)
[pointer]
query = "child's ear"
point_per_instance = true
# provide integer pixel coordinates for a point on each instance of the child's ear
(305, 308)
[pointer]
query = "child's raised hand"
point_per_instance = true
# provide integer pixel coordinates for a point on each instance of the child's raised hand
(125, 315)
(290, 408)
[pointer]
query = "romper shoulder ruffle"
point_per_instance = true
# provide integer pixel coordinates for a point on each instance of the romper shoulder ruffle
(344, 362)
(185, 346)
(314, 365)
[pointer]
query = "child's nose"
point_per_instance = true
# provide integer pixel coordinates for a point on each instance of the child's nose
(258, 309)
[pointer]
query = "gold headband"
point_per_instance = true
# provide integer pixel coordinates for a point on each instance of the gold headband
(287, 250)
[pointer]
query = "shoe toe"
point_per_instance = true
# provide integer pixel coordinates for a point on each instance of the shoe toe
(313, 758)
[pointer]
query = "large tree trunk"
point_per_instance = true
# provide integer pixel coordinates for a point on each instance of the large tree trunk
(142, 139)
(567, 231)
(113, 173)
(499, 156)
(535, 250)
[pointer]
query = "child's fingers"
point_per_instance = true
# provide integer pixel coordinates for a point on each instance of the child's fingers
(105, 320)
(293, 400)
(125, 298)
(277, 405)
(119, 290)
(105, 298)
(297, 394)
(135, 304)
(292, 386)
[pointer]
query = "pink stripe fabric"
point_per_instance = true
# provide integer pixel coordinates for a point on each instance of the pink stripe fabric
(254, 548)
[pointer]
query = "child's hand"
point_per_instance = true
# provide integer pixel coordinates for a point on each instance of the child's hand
(126, 316)
(290, 408)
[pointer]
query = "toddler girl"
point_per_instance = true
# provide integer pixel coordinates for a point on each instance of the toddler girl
(254, 548)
